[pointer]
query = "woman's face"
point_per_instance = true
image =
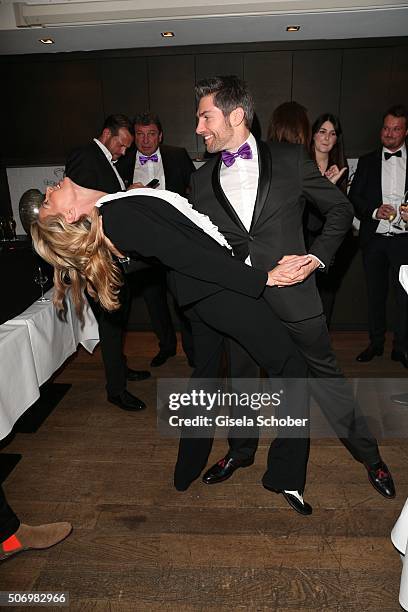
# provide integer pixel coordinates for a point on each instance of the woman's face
(58, 199)
(325, 138)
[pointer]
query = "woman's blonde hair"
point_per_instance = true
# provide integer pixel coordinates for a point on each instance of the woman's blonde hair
(81, 260)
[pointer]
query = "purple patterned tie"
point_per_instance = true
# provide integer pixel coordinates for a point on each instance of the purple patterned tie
(145, 158)
(244, 152)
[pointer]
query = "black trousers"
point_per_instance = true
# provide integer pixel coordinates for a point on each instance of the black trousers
(152, 284)
(252, 324)
(334, 396)
(111, 327)
(9, 522)
(382, 258)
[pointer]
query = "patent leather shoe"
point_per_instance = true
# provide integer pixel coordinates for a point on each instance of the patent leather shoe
(400, 356)
(294, 499)
(224, 469)
(127, 401)
(161, 358)
(137, 375)
(381, 479)
(369, 353)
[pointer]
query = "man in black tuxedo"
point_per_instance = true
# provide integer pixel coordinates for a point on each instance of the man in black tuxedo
(93, 166)
(377, 190)
(172, 167)
(255, 192)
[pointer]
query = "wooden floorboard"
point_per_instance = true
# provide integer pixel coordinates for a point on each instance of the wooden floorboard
(139, 545)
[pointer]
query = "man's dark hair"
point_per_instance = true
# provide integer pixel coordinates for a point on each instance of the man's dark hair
(229, 93)
(147, 118)
(115, 122)
(398, 110)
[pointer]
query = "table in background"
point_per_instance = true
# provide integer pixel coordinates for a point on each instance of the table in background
(33, 346)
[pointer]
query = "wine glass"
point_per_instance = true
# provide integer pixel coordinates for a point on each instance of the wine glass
(393, 200)
(41, 279)
(2, 229)
(11, 228)
(404, 208)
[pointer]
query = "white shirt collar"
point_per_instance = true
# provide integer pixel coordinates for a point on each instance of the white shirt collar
(104, 150)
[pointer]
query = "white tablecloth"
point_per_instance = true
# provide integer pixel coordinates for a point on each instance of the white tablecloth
(399, 534)
(33, 346)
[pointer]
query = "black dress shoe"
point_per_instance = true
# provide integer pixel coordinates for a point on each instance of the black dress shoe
(400, 356)
(127, 401)
(369, 353)
(381, 479)
(161, 357)
(224, 469)
(137, 375)
(299, 505)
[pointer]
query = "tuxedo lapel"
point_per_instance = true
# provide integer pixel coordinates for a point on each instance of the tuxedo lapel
(264, 181)
(221, 197)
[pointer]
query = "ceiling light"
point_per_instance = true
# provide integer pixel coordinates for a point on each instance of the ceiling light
(293, 28)
(46, 41)
(167, 34)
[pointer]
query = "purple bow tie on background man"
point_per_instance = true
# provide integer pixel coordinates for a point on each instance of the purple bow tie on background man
(145, 158)
(244, 152)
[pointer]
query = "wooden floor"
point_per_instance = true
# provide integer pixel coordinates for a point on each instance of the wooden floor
(139, 545)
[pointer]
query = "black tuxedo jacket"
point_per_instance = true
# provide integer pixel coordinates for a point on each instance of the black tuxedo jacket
(287, 177)
(366, 193)
(177, 167)
(151, 227)
(88, 167)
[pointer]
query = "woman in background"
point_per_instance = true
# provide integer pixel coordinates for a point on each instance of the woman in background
(327, 150)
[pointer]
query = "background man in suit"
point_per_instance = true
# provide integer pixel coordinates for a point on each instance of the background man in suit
(377, 190)
(93, 166)
(254, 192)
(172, 167)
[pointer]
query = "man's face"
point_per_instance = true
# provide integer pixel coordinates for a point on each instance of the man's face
(393, 133)
(118, 144)
(216, 129)
(147, 138)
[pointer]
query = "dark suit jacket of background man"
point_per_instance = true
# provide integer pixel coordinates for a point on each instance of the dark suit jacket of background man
(287, 178)
(88, 166)
(178, 168)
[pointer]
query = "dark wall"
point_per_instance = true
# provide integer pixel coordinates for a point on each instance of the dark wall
(57, 102)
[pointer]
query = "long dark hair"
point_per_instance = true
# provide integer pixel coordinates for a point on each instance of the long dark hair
(336, 155)
(290, 123)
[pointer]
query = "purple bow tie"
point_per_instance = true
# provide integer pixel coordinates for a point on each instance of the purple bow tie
(244, 151)
(145, 158)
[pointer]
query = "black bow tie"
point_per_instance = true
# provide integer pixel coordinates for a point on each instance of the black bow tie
(388, 155)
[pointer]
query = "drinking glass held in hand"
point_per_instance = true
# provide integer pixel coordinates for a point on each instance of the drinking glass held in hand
(389, 210)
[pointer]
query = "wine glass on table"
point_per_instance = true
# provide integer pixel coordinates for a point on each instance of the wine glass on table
(41, 279)
(3, 229)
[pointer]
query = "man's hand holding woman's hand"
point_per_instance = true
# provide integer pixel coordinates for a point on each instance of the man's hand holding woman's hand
(291, 270)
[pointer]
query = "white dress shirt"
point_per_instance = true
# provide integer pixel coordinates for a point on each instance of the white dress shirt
(182, 205)
(108, 156)
(393, 173)
(149, 171)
